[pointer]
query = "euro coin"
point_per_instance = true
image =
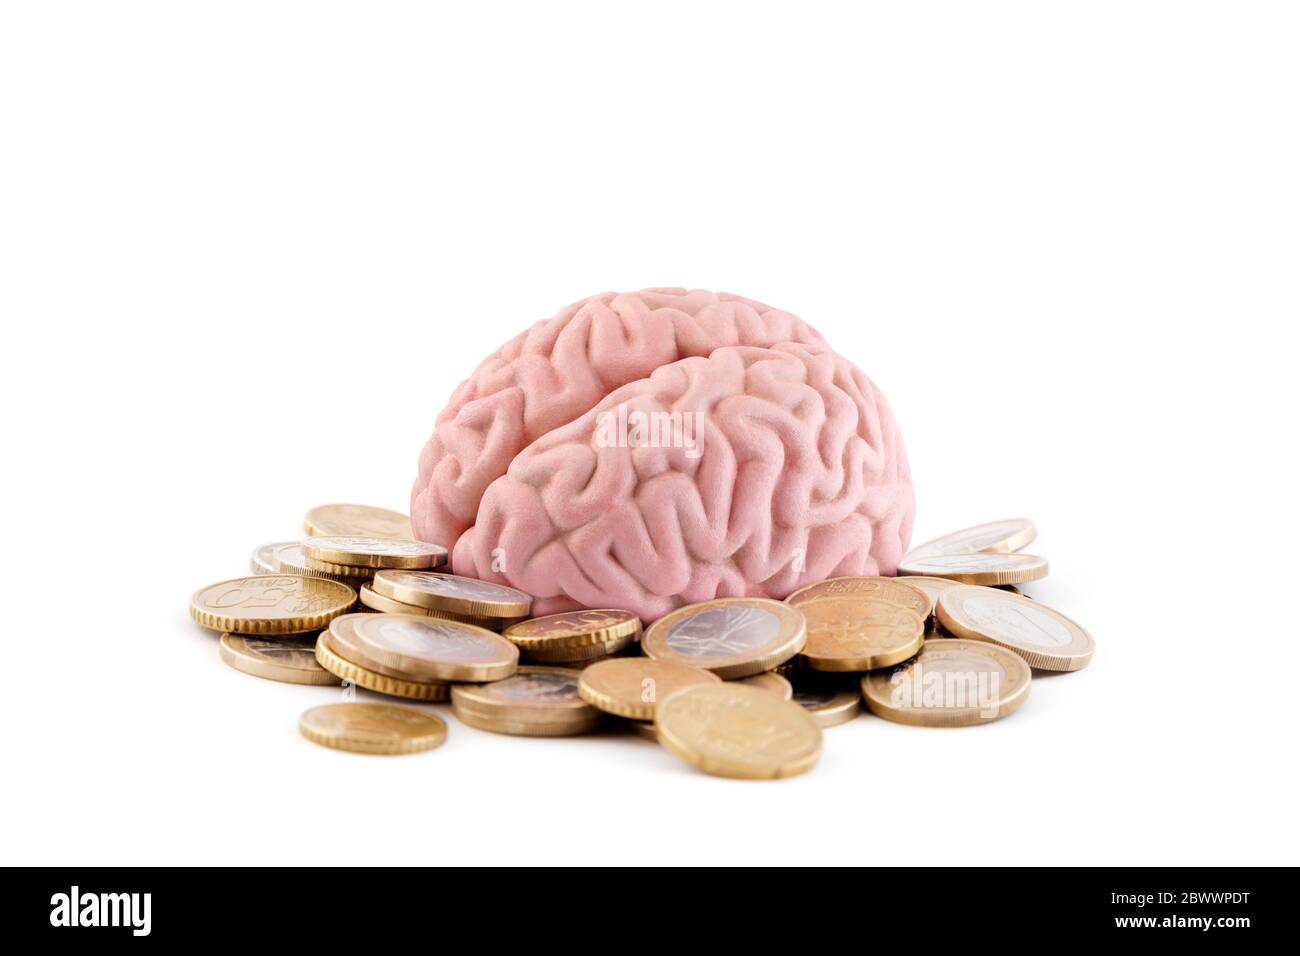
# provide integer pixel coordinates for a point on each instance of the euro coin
(978, 568)
(828, 706)
(377, 602)
(733, 637)
(429, 649)
(859, 634)
(952, 683)
(645, 729)
(338, 665)
(573, 629)
(288, 661)
(1045, 638)
(633, 686)
(360, 520)
(292, 559)
(532, 702)
(890, 590)
(730, 730)
(271, 604)
(262, 561)
(355, 551)
(372, 728)
(451, 592)
(578, 656)
(1001, 537)
(932, 587)
(769, 681)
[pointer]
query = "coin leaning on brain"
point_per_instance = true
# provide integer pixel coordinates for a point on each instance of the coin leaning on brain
(738, 687)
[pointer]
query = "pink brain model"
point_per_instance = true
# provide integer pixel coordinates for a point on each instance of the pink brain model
(653, 449)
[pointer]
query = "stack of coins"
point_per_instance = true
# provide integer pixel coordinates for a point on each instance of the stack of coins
(738, 687)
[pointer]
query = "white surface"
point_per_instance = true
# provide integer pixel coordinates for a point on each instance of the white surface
(249, 248)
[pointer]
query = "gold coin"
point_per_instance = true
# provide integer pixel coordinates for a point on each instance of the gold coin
(890, 590)
(932, 587)
(262, 561)
(429, 649)
(362, 520)
(372, 728)
(979, 568)
(1045, 638)
(533, 702)
(292, 558)
(951, 683)
(330, 659)
(451, 592)
(377, 602)
(645, 729)
(573, 629)
(769, 681)
(733, 637)
(1010, 534)
(578, 656)
(633, 686)
(730, 730)
(288, 661)
(827, 705)
(271, 604)
(355, 551)
(859, 634)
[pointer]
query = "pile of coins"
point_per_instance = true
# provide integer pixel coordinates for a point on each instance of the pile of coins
(739, 687)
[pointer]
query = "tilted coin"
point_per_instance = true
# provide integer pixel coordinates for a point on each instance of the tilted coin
(292, 558)
(769, 681)
(932, 587)
(579, 655)
(288, 661)
(452, 592)
(645, 729)
(262, 561)
(826, 705)
(377, 602)
(357, 551)
(333, 661)
(730, 730)
(362, 520)
(859, 634)
(1044, 637)
(1009, 534)
(633, 686)
(372, 728)
(890, 590)
(573, 629)
(979, 568)
(429, 649)
(952, 683)
(533, 702)
(271, 604)
(733, 637)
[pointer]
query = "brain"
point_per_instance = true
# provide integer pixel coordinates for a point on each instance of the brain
(658, 448)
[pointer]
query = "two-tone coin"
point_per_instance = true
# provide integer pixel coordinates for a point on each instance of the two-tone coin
(859, 634)
(896, 591)
(288, 660)
(1009, 534)
(357, 551)
(633, 686)
(1044, 637)
(271, 604)
(453, 593)
(575, 635)
(532, 702)
(332, 659)
(730, 730)
(978, 568)
(428, 649)
(951, 683)
(372, 728)
(732, 637)
(357, 520)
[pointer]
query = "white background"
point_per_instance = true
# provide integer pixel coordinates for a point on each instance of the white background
(248, 249)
